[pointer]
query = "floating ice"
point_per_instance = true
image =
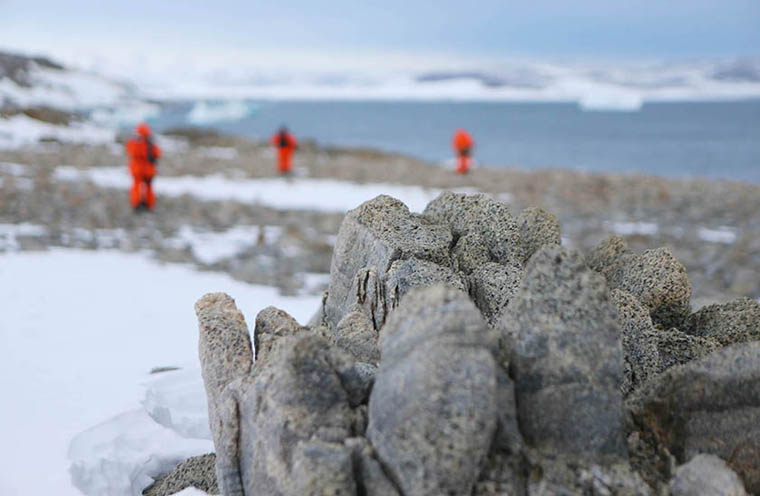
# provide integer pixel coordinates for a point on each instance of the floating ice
(222, 111)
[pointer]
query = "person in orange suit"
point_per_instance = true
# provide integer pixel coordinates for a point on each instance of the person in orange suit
(285, 143)
(462, 144)
(143, 157)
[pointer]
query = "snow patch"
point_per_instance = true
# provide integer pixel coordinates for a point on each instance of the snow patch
(177, 400)
(326, 195)
(211, 247)
(22, 130)
(9, 234)
(723, 234)
(632, 228)
(219, 152)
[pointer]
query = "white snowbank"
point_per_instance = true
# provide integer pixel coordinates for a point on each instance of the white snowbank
(327, 195)
(125, 454)
(211, 247)
(80, 330)
(9, 234)
(177, 400)
(221, 111)
(21, 130)
(631, 228)
(723, 234)
(191, 491)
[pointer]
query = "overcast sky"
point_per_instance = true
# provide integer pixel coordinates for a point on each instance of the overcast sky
(489, 28)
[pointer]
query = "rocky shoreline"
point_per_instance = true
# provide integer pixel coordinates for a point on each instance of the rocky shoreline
(464, 351)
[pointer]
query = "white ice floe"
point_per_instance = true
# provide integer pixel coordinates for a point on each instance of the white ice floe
(723, 234)
(631, 228)
(177, 400)
(327, 195)
(210, 247)
(80, 330)
(21, 130)
(219, 111)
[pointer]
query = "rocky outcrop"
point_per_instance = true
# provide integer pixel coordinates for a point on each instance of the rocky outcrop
(566, 358)
(461, 352)
(198, 472)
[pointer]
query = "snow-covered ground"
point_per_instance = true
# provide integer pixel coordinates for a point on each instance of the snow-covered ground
(325, 195)
(80, 332)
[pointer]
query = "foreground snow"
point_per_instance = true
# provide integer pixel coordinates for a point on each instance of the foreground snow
(80, 332)
(326, 195)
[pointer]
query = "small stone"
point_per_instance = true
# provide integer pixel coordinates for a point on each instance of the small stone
(706, 474)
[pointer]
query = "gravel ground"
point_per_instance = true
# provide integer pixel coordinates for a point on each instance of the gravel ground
(712, 226)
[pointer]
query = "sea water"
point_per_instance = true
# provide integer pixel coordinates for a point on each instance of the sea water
(680, 140)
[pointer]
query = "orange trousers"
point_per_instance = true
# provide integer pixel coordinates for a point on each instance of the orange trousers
(463, 164)
(142, 191)
(284, 162)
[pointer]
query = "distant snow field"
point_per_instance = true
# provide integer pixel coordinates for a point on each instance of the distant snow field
(326, 195)
(81, 330)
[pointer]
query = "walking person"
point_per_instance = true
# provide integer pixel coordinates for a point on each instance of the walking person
(143, 156)
(286, 144)
(463, 144)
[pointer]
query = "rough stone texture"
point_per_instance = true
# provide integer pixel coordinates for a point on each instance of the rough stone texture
(356, 334)
(568, 476)
(433, 409)
(706, 474)
(372, 237)
(537, 228)
(678, 348)
(491, 287)
(728, 323)
(661, 283)
(271, 324)
(197, 472)
(609, 259)
(224, 347)
(404, 275)
(640, 341)
(710, 405)
(295, 403)
(470, 253)
(484, 215)
(566, 358)
(372, 480)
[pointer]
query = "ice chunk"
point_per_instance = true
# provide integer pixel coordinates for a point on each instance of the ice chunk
(177, 400)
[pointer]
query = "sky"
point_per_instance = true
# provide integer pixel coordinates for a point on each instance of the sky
(486, 28)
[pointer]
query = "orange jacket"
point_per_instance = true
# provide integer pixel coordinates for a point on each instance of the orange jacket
(284, 140)
(462, 141)
(137, 150)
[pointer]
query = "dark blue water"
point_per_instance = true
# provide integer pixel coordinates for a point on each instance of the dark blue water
(717, 140)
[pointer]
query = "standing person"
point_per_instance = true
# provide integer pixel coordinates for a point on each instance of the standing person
(285, 143)
(143, 157)
(462, 144)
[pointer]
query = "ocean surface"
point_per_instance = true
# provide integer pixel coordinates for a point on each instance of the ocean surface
(679, 140)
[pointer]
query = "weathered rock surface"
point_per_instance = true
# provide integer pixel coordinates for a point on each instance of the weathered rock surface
(537, 228)
(706, 474)
(470, 253)
(640, 341)
(566, 358)
(404, 275)
(372, 237)
(677, 348)
(609, 259)
(356, 334)
(198, 472)
(272, 324)
(433, 409)
(483, 215)
(492, 285)
(711, 406)
(733, 322)
(661, 283)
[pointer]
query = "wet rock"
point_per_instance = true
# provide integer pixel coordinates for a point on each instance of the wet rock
(372, 237)
(609, 259)
(566, 358)
(640, 341)
(470, 253)
(197, 472)
(492, 286)
(404, 275)
(537, 228)
(708, 406)
(677, 348)
(224, 346)
(433, 409)
(727, 323)
(481, 214)
(272, 324)
(356, 334)
(706, 474)
(661, 283)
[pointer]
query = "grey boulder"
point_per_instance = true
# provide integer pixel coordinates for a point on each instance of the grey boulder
(706, 474)
(727, 323)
